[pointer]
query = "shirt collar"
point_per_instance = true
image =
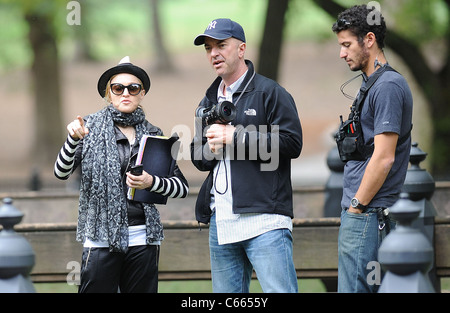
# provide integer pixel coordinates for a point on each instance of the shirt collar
(230, 90)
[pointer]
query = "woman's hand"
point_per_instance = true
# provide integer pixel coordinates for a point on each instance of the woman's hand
(77, 129)
(139, 182)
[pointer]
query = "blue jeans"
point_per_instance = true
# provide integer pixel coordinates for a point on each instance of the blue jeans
(358, 243)
(270, 254)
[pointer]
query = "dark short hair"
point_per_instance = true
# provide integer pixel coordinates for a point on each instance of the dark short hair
(357, 20)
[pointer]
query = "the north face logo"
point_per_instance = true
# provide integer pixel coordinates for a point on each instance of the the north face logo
(250, 112)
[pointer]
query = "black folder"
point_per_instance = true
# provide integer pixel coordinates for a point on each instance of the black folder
(157, 154)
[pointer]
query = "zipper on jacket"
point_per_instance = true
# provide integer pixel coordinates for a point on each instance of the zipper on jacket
(124, 177)
(129, 162)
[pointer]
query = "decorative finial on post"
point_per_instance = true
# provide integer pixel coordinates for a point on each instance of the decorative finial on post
(16, 254)
(406, 254)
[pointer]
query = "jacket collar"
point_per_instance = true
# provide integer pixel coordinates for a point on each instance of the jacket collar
(149, 129)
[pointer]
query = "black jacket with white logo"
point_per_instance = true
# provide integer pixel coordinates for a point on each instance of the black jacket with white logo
(268, 135)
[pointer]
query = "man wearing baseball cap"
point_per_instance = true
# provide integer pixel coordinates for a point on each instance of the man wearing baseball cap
(247, 203)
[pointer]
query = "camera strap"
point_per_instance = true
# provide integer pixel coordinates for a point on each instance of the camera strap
(224, 162)
(363, 93)
(364, 89)
(245, 87)
(351, 146)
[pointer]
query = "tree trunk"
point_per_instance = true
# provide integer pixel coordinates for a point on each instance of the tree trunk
(47, 138)
(270, 48)
(162, 56)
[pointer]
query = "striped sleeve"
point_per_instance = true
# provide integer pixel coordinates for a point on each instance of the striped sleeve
(172, 187)
(64, 162)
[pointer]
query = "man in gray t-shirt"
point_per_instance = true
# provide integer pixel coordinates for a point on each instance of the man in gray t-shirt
(372, 185)
(387, 108)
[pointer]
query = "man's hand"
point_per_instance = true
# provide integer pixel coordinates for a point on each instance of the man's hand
(354, 210)
(219, 135)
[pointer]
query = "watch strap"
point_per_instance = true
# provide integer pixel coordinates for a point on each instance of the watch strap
(359, 205)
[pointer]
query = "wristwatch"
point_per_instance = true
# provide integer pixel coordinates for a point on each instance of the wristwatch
(356, 204)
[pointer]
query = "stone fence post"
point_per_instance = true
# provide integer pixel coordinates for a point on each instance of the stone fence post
(406, 254)
(16, 254)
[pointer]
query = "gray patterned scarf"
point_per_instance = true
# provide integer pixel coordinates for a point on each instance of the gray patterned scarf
(103, 205)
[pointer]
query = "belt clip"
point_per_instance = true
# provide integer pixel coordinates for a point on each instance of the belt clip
(381, 216)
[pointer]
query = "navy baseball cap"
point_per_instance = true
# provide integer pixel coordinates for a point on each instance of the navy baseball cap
(220, 29)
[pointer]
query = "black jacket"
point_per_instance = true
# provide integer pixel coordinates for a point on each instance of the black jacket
(268, 135)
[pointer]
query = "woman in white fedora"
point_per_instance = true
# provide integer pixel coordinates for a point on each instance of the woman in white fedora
(120, 237)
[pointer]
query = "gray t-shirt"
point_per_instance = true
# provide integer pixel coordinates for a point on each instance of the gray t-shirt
(387, 108)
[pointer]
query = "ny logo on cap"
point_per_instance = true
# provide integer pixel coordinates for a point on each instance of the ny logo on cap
(211, 25)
